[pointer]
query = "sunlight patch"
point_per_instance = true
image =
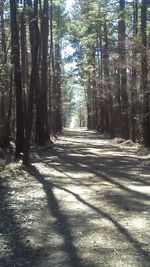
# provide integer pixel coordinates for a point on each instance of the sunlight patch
(138, 223)
(141, 189)
(145, 175)
(77, 155)
(78, 174)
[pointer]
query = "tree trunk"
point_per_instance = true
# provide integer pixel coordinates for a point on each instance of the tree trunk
(44, 72)
(107, 82)
(53, 74)
(144, 75)
(134, 73)
(34, 41)
(122, 71)
(58, 89)
(15, 48)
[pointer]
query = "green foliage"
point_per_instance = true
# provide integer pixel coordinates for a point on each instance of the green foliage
(69, 104)
(5, 70)
(5, 168)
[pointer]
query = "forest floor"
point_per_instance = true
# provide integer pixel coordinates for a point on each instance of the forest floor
(83, 203)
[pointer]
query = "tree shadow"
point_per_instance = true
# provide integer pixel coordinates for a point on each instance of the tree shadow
(127, 203)
(134, 198)
(14, 250)
(131, 202)
(112, 169)
(82, 133)
(64, 222)
(98, 170)
(62, 225)
(122, 230)
(103, 171)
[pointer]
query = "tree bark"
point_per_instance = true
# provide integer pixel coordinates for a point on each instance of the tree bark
(15, 48)
(107, 82)
(144, 75)
(34, 41)
(122, 71)
(44, 73)
(134, 72)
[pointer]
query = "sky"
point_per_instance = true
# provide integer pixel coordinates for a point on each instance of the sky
(69, 4)
(68, 49)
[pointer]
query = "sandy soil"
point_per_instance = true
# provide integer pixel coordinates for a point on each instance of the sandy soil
(84, 202)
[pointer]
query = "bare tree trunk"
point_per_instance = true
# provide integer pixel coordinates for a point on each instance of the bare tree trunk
(44, 71)
(144, 75)
(134, 73)
(17, 77)
(89, 104)
(53, 74)
(3, 88)
(34, 41)
(123, 73)
(24, 64)
(58, 89)
(107, 81)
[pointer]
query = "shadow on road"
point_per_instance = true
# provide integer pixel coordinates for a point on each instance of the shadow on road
(62, 226)
(18, 252)
(116, 170)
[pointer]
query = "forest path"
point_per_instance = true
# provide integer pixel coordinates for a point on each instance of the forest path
(84, 202)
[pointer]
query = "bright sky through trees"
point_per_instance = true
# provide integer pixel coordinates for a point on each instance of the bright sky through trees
(68, 49)
(98, 49)
(69, 4)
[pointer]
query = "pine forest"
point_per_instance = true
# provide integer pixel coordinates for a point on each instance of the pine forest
(74, 130)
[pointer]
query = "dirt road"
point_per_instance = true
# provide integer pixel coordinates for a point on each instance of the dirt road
(84, 202)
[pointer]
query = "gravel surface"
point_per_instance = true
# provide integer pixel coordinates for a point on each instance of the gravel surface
(83, 203)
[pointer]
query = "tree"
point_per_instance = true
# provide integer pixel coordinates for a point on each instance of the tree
(134, 96)
(34, 41)
(144, 75)
(4, 72)
(43, 127)
(122, 71)
(111, 51)
(15, 48)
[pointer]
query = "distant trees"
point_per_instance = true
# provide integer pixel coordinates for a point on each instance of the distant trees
(5, 78)
(134, 73)
(111, 43)
(112, 55)
(123, 70)
(30, 60)
(15, 54)
(145, 86)
(34, 75)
